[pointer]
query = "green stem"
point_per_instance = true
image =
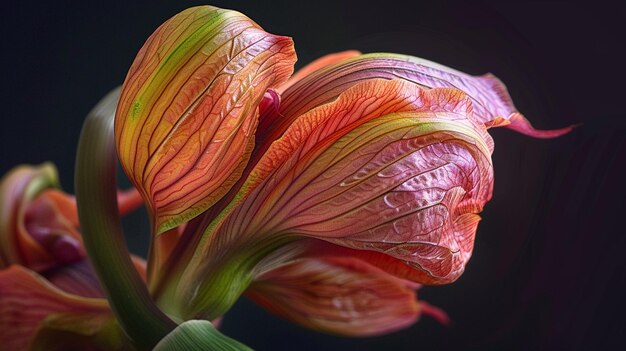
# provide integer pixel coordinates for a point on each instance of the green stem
(95, 182)
(211, 289)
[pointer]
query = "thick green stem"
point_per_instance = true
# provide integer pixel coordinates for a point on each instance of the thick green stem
(210, 290)
(95, 182)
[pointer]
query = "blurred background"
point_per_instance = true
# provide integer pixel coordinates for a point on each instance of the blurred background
(548, 270)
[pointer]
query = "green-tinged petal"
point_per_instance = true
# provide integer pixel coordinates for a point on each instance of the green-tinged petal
(37, 226)
(28, 301)
(387, 167)
(196, 335)
(339, 295)
(188, 111)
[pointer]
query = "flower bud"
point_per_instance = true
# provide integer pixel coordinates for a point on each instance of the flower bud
(188, 111)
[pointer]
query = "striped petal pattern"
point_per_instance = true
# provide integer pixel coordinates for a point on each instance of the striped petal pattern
(491, 101)
(329, 197)
(339, 295)
(188, 110)
(387, 168)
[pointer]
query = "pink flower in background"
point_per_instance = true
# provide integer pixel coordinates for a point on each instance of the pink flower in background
(47, 285)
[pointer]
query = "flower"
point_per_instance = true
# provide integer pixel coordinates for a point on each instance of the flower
(386, 170)
(39, 226)
(329, 197)
(47, 286)
(382, 158)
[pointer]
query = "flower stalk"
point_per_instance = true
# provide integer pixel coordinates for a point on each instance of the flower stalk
(104, 241)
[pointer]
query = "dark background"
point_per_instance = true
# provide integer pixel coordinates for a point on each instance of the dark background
(548, 265)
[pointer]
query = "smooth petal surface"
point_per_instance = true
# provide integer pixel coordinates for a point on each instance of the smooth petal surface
(491, 101)
(28, 302)
(339, 295)
(188, 111)
(387, 167)
(72, 331)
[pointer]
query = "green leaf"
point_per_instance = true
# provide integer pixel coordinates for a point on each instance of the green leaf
(198, 335)
(96, 195)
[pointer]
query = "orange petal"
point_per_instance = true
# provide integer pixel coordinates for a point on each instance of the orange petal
(318, 64)
(188, 110)
(45, 221)
(316, 178)
(162, 247)
(128, 200)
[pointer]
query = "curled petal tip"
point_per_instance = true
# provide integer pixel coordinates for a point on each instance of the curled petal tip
(520, 124)
(435, 312)
(504, 113)
(492, 105)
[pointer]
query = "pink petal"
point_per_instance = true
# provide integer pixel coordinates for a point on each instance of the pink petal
(45, 222)
(520, 124)
(435, 312)
(339, 295)
(27, 301)
(80, 279)
(386, 168)
(37, 224)
(488, 94)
